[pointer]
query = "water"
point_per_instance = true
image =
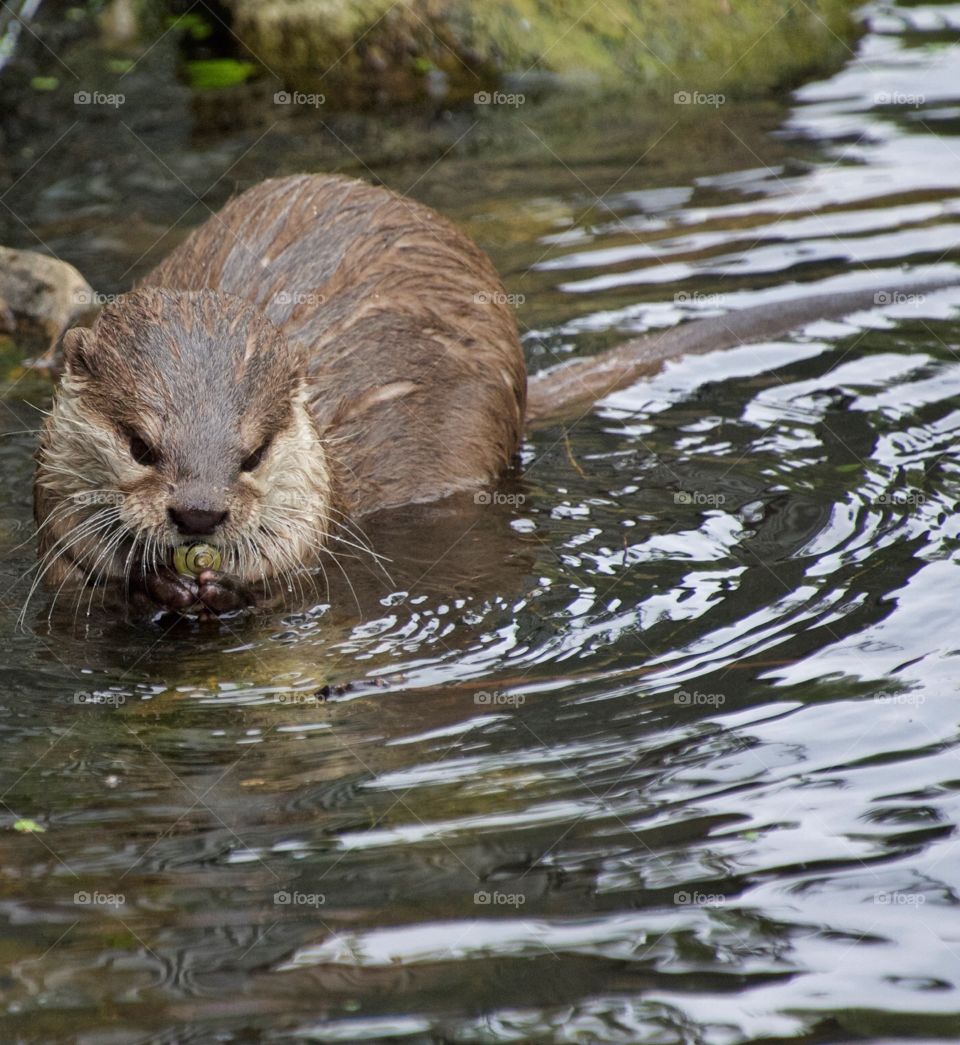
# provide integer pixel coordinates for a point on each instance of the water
(663, 746)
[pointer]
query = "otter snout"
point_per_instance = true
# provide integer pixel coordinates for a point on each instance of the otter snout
(195, 521)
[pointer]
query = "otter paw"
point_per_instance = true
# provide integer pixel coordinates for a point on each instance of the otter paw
(170, 591)
(221, 593)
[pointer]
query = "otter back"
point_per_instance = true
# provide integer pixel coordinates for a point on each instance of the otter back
(415, 371)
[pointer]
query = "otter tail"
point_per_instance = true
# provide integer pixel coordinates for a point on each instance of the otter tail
(569, 389)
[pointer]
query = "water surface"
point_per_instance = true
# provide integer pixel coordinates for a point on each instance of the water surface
(660, 746)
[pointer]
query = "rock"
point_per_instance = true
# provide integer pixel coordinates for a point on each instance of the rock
(41, 296)
(8, 324)
(360, 52)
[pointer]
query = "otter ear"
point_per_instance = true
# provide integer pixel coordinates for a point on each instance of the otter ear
(77, 348)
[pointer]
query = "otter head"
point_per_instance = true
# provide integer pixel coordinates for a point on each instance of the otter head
(182, 416)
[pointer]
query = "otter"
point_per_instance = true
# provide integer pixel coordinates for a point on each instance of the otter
(319, 350)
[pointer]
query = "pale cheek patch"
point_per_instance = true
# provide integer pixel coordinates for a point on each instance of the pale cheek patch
(104, 466)
(86, 467)
(292, 490)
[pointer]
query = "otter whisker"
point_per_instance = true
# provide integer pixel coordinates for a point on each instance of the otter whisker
(278, 556)
(346, 577)
(62, 469)
(330, 534)
(87, 497)
(88, 528)
(309, 529)
(34, 406)
(351, 524)
(125, 571)
(363, 543)
(263, 555)
(94, 582)
(278, 525)
(336, 555)
(82, 531)
(77, 532)
(113, 542)
(61, 510)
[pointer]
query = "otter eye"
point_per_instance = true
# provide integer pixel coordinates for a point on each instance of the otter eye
(253, 460)
(142, 452)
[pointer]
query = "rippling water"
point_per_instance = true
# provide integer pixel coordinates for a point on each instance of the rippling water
(661, 747)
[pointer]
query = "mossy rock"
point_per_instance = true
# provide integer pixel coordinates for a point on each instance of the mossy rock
(360, 52)
(40, 296)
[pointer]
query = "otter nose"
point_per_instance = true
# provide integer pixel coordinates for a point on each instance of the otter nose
(196, 521)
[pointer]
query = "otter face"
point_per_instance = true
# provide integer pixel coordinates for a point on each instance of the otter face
(179, 416)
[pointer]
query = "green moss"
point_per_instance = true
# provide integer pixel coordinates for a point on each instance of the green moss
(28, 826)
(356, 49)
(195, 25)
(210, 74)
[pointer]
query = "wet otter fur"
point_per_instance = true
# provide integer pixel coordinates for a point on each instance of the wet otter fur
(317, 351)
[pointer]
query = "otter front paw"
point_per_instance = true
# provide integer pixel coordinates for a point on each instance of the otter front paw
(221, 593)
(168, 590)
